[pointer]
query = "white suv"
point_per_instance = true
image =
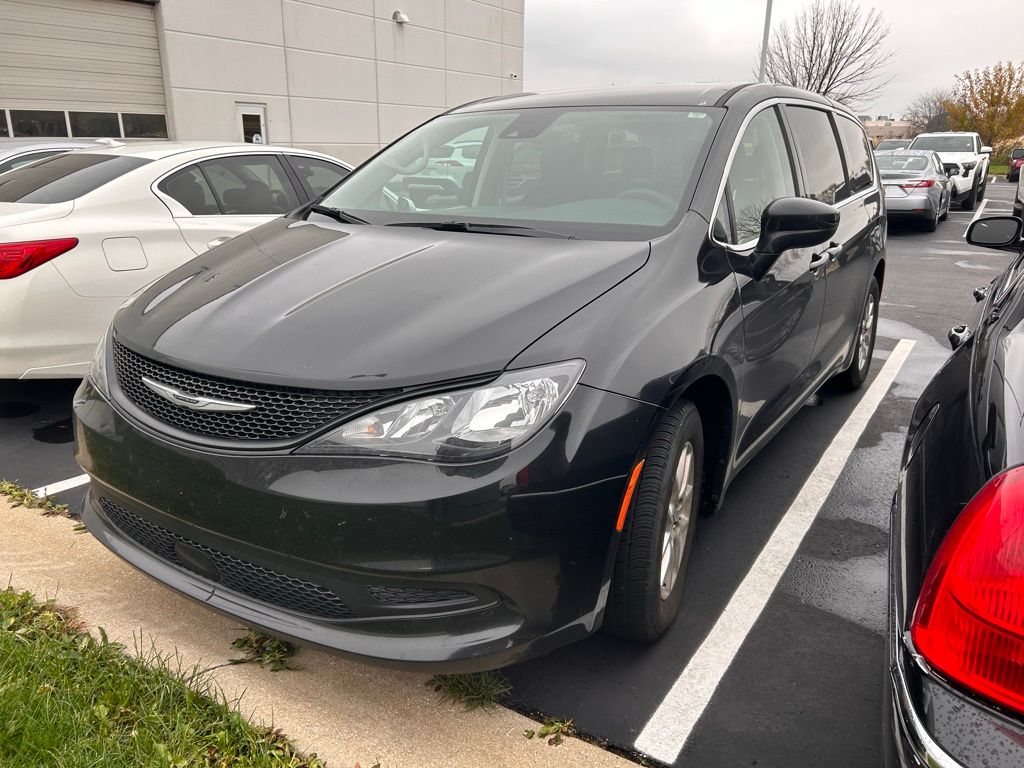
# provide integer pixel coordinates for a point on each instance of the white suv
(965, 149)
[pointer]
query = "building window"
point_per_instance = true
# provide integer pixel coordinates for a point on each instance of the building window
(144, 126)
(38, 122)
(95, 124)
(4, 131)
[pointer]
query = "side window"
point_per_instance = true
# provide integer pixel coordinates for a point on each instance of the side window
(188, 186)
(250, 185)
(761, 172)
(317, 175)
(858, 155)
(823, 167)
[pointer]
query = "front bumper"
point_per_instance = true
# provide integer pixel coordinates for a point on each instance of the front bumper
(439, 566)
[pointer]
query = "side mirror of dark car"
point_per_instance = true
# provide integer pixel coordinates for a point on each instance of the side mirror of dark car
(786, 223)
(1001, 232)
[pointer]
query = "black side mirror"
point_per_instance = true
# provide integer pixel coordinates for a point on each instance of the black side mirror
(786, 223)
(1001, 232)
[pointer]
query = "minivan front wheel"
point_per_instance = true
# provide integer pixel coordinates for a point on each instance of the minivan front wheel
(651, 561)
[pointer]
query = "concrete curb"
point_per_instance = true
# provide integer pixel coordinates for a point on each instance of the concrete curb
(344, 711)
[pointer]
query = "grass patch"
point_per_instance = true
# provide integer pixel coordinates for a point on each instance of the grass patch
(478, 690)
(70, 699)
(20, 496)
(998, 170)
(269, 652)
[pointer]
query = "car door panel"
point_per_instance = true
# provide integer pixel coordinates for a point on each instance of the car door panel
(826, 178)
(781, 310)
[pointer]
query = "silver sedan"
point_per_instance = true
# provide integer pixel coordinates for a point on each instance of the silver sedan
(917, 186)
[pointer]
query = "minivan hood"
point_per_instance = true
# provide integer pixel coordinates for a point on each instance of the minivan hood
(367, 307)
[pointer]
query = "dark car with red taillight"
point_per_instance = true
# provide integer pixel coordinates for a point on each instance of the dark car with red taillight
(1015, 164)
(955, 677)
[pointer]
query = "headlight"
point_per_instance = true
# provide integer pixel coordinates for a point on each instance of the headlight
(969, 166)
(98, 369)
(464, 425)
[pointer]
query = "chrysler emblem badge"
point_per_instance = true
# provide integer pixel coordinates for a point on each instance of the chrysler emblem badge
(195, 402)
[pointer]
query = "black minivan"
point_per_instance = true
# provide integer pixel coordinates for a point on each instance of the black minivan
(468, 407)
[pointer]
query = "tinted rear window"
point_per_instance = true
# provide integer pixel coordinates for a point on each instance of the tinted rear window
(823, 166)
(64, 177)
(1017, 153)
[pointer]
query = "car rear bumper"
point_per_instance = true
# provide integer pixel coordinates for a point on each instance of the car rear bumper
(908, 743)
(397, 562)
(910, 206)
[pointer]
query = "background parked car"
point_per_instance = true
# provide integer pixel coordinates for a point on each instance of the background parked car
(956, 575)
(1016, 161)
(888, 144)
(963, 148)
(82, 231)
(917, 186)
(15, 153)
(1018, 198)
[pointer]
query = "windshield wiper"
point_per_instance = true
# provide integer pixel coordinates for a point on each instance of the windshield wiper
(516, 230)
(337, 214)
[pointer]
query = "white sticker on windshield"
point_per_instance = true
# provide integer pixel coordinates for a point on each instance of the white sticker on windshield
(696, 115)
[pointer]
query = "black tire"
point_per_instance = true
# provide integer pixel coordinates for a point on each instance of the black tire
(981, 189)
(636, 609)
(970, 201)
(931, 223)
(855, 376)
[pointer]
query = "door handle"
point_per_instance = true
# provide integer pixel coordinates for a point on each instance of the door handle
(217, 241)
(829, 254)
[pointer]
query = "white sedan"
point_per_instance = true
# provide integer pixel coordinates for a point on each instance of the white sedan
(83, 231)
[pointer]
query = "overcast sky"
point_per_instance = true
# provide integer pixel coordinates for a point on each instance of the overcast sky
(582, 43)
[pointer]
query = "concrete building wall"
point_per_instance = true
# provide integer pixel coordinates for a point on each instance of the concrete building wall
(338, 76)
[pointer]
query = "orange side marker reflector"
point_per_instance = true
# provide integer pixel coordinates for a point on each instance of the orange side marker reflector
(629, 495)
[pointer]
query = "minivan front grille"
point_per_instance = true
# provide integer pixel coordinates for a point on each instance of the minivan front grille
(280, 413)
(255, 581)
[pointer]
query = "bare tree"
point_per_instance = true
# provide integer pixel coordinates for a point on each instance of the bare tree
(832, 47)
(928, 112)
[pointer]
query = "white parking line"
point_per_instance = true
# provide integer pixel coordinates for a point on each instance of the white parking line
(670, 726)
(977, 215)
(63, 485)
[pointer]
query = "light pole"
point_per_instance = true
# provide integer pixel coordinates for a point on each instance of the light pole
(764, 40)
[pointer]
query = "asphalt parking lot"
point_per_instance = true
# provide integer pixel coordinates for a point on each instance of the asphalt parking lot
(777, 658)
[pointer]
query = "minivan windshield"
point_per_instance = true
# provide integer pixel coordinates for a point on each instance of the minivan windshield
(618, 173)
(64, 177)
(944, 143)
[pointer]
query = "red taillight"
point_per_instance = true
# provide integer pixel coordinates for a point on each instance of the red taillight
(18, 258)
(969, 619)
(918, 184)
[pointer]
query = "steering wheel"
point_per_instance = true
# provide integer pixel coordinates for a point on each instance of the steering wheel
(652, 196)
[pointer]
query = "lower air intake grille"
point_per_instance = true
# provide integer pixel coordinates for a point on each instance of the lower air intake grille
(280, 413)
(416, 595)
(239, 575)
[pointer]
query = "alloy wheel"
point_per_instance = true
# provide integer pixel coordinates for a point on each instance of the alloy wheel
(678, 512)
(867, 324)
